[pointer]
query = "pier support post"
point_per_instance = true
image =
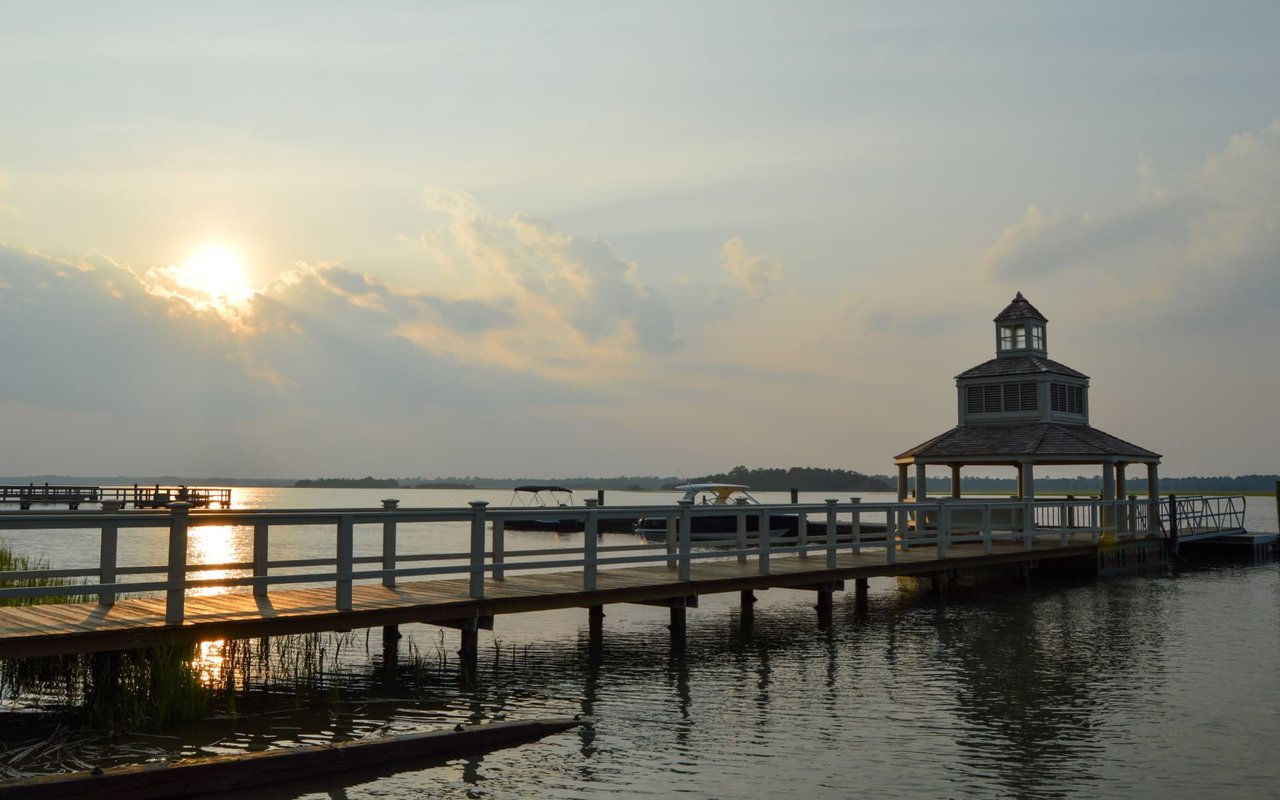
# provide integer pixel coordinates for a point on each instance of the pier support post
(175, 592)
(595, 630)
(469, 649)
(390, 647)
(860, 594)
(825, 604)
(678, 620)
(747, 602)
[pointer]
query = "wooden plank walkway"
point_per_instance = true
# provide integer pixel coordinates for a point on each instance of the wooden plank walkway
(55, 629)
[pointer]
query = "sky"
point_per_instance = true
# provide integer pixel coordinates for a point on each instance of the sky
(603, 238)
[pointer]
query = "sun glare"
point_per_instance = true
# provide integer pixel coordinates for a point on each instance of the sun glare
(217, 272)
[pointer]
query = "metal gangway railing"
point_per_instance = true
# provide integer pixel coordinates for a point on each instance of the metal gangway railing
(1196, 517)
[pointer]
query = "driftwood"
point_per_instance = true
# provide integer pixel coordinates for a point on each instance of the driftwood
(234, 773)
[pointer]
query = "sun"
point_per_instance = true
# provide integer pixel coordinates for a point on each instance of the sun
(218, 272)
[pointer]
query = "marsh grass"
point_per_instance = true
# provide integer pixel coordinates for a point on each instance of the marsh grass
(13, 562)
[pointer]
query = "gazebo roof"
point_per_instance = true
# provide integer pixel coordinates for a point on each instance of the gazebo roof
(1019, 365)
(1043, 442)
(1019, 309)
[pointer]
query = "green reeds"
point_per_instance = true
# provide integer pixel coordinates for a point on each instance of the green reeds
(12, 562)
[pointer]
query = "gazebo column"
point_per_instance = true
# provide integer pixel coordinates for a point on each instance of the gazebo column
(955, 481)
(921, 489)
(902, 482)
(1153, 496)
(1022, 489)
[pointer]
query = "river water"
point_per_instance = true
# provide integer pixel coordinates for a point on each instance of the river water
(1148, 685)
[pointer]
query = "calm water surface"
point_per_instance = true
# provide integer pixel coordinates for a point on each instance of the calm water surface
(1157, 685)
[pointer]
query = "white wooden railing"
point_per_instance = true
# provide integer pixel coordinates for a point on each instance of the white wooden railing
(824, 530)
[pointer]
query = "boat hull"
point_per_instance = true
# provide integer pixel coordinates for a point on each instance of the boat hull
(720, 528)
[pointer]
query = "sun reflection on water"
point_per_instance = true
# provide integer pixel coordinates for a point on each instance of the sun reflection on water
(215, 544)
(208, 662)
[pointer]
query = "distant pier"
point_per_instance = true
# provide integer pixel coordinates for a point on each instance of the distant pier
(117, 497)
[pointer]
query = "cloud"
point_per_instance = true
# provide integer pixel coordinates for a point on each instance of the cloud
(756, 275)
(557, 287)
(1206, 247)
(327, 363)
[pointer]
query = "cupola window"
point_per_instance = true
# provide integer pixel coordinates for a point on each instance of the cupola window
(1013, 337)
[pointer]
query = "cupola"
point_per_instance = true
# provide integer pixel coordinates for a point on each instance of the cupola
(1020, 330)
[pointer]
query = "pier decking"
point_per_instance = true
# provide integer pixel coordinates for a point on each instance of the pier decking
(468, 588)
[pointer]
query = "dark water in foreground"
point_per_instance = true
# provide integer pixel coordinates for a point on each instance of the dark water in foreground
(1157, 685)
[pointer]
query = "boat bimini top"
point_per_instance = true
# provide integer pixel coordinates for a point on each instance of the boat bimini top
(542, 495)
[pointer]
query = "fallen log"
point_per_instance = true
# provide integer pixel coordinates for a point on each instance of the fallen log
(231, 773)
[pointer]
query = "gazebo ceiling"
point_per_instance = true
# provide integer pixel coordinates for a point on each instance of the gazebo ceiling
(1038, 442)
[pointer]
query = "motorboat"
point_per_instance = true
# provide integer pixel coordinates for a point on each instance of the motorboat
(546, 501)
(543, 500)
(705, 527)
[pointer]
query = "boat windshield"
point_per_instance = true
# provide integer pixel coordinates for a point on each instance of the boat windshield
(717, 494)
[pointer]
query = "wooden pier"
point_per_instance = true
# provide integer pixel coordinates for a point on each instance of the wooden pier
(135, 496)
(467, 587)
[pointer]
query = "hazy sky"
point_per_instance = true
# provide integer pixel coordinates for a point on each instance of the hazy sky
(574, 238)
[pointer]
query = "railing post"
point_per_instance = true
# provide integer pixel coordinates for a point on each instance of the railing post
(685, 565)
(590, 547)
(891, 535)
(107, 554)
(672, 526)
(389, 542)
(477, 548)
(260, 559)
(175, 592)
(802, 531)
(346, 562)
(499, 549)
(1173, 523)
(944, 528)
(1132, 514)
(764, 542)
(1029, 524)
(742, 537)
(856, 547)
(986, 529)
(832, 538)
(1066, 529)
(1069, 516)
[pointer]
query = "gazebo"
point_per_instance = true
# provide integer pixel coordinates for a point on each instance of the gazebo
(1022, 409)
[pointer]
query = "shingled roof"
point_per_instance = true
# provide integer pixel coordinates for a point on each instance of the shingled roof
(1019, 365)
(1045, 441)
(1019, 309)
